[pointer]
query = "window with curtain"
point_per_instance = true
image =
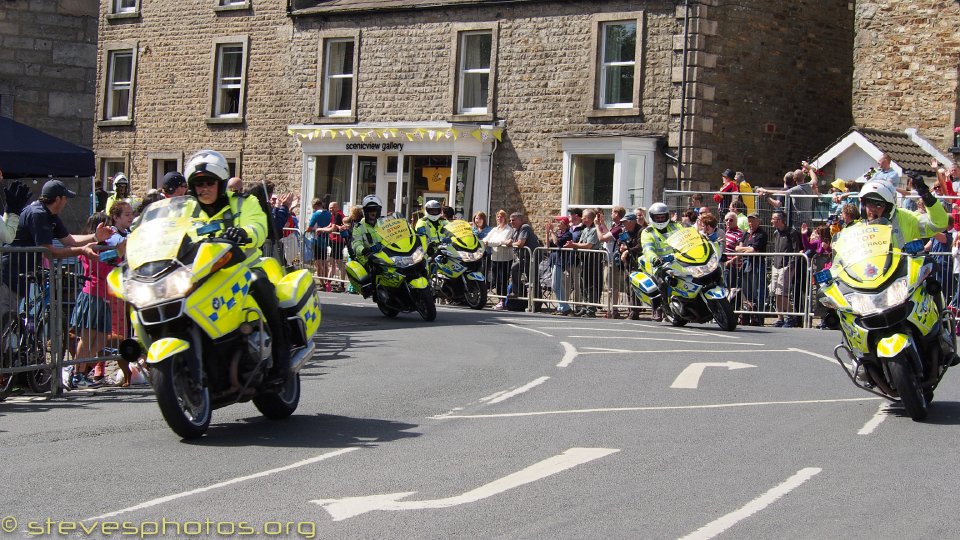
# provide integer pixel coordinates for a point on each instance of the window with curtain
(333, 177)
(474, 79)
(591, 180)
(119, 85)
(618, 46)
(229, 80)
(338, 77)
(125, 6)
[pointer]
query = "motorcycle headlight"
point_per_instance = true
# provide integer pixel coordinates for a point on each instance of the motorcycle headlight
(402, 261)
(470, 256)
(867, 304)
(704, 269)
(174, 285)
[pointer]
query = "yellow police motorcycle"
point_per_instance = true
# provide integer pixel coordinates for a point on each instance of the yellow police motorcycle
(458, 266)
(897, 337)
(689, 283)
(207, 342)
(401, 280)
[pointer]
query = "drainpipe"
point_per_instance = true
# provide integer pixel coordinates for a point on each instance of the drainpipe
(683, 89)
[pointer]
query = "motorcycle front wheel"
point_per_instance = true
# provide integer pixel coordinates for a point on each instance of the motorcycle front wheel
(185, 405)
(723, 313)
(475, 293)
(905, 381)
(424, 301)
(283, 404)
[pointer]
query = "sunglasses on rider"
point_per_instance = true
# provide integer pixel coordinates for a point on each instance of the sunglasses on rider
(205, 182)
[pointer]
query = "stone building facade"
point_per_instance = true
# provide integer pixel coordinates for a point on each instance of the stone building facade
(48, 69)
(907, 64)
(517, 105)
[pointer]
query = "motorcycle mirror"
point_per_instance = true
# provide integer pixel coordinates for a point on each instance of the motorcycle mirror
(109, 255)
(447, 240)
(667, 258)
(822, 277)
(914, 247)
(208, 229)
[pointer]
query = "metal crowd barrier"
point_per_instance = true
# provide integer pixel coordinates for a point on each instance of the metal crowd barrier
(38, 312)
(302, 251)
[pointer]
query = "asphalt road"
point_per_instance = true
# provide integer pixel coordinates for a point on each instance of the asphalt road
(503, 425)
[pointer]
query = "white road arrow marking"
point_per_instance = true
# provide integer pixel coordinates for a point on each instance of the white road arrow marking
(690, 377)
(569, 353)
(340, 509)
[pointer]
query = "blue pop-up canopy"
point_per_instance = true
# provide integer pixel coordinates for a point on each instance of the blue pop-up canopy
(26, 152)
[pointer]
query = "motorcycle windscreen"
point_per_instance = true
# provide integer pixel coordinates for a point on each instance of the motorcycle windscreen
(396, 235)
(863, 254)
(161, 230)
(462, 234)
(689, 245)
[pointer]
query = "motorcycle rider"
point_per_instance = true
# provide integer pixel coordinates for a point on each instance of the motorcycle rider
(121, 192)
(432, 222)
(364, 236)
(245, 223)
(653, 241)
(878, 206)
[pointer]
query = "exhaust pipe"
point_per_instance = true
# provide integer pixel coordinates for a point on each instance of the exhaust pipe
(300, 357)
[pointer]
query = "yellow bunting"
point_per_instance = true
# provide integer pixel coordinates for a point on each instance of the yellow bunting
(477, 134)
(498, 134)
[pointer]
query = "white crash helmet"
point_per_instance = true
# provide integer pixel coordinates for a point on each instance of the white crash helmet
(120, 179)
(879, 190)
(433, 210)
(659, 215)
(371, 203)
(208, 164)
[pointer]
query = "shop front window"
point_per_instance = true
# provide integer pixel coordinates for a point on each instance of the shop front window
(466, 168)
(429, 180)
(332, 177)
(591, 180)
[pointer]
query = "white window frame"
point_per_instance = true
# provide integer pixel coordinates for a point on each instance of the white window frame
(464, 72)
(634, 159)
(329, 78)
(230, 5)
(118, 7)
(115, 86)
(598, 69)
(218, 83)
(120, 162)
(110, 86)
(457, 112)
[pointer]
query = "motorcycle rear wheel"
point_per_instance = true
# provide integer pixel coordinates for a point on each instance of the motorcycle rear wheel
(475, 294)
(426, 306)
(283, 404)
(186, 409)
(912, 397)
(723, 313)
(387, 311)
(674, 320)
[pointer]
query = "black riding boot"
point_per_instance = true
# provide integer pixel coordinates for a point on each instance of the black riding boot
(265, 294)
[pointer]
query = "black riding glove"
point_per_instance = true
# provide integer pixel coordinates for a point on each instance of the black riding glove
(657, 262)
(236, 234)
(923, 190)
(17, 195)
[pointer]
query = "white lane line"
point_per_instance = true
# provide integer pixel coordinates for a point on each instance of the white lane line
(653, 330)
(168, 498)
(882, 413)
(830, 359)
(569, 353)
(667, 339)
(507, 395)
(656, 408)
(530, 329)
(716, 527)
(600, 350)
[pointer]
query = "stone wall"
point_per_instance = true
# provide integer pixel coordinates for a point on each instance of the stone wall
(773, 86)
(48, 54)
(907, 58)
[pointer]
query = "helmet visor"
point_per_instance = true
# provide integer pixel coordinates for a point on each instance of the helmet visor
(435, 211)
(660, 218)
